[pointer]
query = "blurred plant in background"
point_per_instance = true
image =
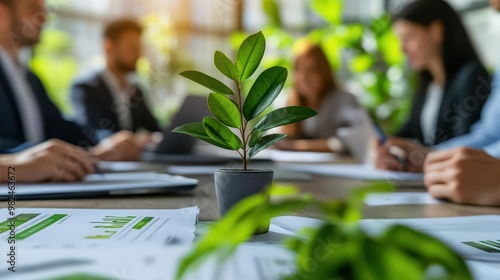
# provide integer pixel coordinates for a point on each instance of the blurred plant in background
(159, 68)
(54, 53)
(367, 57)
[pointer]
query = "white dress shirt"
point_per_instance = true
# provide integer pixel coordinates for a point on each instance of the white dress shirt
(28, 108)
(121, 99)
(430, 112)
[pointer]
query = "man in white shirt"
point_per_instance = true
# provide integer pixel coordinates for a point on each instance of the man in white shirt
(28, 116)
(111, 96)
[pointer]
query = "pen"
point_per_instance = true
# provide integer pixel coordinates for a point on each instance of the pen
(398, 153)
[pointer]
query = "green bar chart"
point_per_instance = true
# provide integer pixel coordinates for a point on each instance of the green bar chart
(490, 246)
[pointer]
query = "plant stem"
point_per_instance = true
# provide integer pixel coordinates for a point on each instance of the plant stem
(243, 127)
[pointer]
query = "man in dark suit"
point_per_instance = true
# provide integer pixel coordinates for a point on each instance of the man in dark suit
(109, 99)
(28, 116)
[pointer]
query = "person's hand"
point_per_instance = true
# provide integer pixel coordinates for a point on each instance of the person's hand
(383, 156)
(148, 140)
(121, 146)
(463, 176)
(51, 161)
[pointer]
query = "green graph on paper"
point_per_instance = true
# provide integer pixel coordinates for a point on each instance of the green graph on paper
(490, 246)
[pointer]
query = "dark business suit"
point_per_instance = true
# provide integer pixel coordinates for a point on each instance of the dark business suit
(12, 138)
(95, 107)
(464, 97)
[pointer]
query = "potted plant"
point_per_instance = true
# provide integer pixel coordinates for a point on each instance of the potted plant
(232, 111)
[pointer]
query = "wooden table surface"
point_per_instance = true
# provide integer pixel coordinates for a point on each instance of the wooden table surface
(323, 187)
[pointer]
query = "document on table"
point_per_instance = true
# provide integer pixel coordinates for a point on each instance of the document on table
(113, 183)
(249, 262)
(129, 166)
(474, 237)
(400, 198)
(303, 157)
(484, 270)
(91, 228)
(355, 171)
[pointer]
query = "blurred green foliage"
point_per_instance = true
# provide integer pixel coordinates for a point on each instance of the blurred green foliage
(55, 66)
(370, 52)
(346, 250)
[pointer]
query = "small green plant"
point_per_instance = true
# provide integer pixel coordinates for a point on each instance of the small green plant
(237, 112)
(347, 251)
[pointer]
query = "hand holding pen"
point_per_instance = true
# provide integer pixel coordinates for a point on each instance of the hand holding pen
(399, 154)
(396, 153)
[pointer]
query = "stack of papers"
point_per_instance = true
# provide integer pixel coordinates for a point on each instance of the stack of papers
(89, 228)
(104, 184)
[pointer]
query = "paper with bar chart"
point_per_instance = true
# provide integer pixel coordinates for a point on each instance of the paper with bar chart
(90, 228)
(474, 237)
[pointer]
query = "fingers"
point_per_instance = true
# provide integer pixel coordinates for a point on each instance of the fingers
(70, 163)
(382, 158)
(121, 146)
(440, 191)
(439, 156)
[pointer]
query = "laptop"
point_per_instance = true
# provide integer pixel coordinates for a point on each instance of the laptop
(179, 148)
(357, 140)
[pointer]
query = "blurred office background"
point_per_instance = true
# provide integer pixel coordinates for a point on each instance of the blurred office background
(184, 34)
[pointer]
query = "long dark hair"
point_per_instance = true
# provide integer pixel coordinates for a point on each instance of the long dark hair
(457, 49)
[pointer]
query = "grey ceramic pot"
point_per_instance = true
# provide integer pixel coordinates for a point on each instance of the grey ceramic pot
(233, 185)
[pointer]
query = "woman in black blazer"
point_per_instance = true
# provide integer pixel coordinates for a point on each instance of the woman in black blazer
(453, 84)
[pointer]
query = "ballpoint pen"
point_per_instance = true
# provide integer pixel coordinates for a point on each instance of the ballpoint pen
(397, 152)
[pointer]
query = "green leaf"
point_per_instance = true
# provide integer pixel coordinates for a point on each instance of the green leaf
(207, 81)
(285, 116)
(225, 65)
(266, 142)
(361, 63)
(256, 136)
(330, 10)
(264, 91)
(220, 133)
(198, 131)
(250, 55)
(224, 110)
(272, 11)
(430, 251)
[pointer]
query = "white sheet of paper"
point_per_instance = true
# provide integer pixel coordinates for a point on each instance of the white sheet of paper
(355, 171)
(484, 270)
(474, 237)
(250, 262)
(90, 228)
(127, 166)
(400, 198)
(303, 157)
(112, 182)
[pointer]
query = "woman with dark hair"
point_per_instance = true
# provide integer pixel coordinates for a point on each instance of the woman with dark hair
(438, 46)
(451, 91)
(315, 87)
